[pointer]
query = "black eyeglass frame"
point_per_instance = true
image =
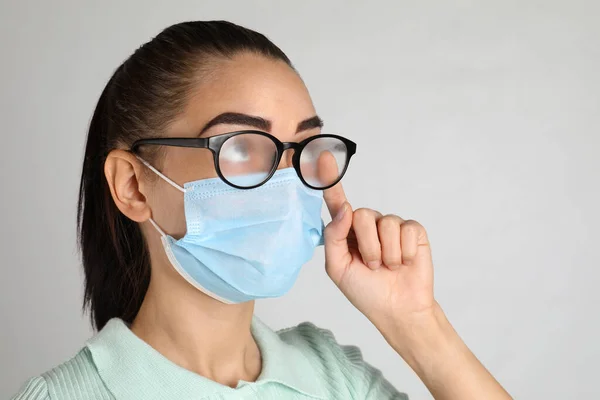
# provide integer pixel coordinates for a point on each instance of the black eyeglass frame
(214, 144)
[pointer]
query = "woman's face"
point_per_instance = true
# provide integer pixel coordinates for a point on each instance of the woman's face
(247, 92)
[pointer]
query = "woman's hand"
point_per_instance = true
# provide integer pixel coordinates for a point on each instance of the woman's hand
(382, 263)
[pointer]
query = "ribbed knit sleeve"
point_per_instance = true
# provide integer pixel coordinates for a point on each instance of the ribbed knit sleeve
(75, 379)
(34, 389)
(349, 375)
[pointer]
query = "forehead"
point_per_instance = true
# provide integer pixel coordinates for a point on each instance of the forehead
(250, 84)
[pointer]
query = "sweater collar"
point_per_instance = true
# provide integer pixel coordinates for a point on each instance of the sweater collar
(132, 369)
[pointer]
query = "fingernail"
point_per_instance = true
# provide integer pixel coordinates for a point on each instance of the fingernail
(374, 264)
(341, 213)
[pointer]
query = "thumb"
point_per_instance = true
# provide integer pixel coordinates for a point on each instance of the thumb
(337, 256)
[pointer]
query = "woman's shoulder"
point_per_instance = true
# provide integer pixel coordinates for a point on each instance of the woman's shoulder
(318, 340)
(321, 346)
(342, 365)
(76, 378)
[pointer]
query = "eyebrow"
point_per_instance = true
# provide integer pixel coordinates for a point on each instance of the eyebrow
(234, 118)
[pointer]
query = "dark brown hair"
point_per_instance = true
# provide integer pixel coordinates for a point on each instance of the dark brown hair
(142, 97)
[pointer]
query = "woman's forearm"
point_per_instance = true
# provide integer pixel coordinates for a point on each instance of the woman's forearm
(436, 353)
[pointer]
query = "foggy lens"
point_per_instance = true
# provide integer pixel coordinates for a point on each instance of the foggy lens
(322, 161)
(247, 159)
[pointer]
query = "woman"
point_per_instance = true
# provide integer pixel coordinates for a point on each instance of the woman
(204, 176)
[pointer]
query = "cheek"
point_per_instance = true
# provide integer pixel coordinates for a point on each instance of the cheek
(168, 209)
(189, 164)
(180, 165)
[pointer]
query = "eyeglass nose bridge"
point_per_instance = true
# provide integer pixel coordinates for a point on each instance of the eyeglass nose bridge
(290, 145)
(296, 147)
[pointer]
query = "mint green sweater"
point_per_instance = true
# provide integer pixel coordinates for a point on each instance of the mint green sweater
(303, 362)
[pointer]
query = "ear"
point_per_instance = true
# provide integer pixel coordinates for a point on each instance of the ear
(124, 173)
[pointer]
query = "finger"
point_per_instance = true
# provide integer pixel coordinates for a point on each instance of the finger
(319, 171)
(328, 172)
(337, 256)
(327, 168)
(334, 199)
(389, 236)
(364, 222)
(412, 235)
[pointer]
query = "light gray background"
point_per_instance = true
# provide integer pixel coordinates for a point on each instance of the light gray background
(480, 119)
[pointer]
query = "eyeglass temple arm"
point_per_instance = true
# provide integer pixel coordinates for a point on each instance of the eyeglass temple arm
(177, 142)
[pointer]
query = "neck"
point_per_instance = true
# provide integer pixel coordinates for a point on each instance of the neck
(197, 332)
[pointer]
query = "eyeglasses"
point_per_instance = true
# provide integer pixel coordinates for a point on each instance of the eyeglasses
(248, 159)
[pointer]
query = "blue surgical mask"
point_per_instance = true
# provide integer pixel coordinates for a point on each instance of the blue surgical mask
(245, 244)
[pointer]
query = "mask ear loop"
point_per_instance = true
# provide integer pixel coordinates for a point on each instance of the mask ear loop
(162, 233)
(169, 181)
(157, 172)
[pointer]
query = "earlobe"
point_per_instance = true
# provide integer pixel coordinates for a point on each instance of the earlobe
(124, 172)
